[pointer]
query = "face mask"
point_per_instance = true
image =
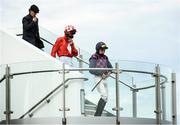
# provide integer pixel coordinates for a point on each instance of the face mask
(69, 36)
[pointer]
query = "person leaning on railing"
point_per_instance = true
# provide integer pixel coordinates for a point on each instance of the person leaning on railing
(100, 60)
(64, 46)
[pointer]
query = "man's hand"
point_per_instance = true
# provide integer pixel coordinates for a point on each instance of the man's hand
(71, 42)
(35, 19)
(104, 76)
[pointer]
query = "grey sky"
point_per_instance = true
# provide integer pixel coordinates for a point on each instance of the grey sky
(135, 29)
(144, 30)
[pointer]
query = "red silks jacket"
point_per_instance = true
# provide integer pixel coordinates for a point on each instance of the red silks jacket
(61, 48)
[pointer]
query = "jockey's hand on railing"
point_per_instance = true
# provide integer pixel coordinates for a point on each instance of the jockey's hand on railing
(104, 76)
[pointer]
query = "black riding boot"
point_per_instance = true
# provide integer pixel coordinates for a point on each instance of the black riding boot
(100, 107)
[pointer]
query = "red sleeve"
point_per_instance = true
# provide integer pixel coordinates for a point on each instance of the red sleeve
(56, 47)
(74, 51)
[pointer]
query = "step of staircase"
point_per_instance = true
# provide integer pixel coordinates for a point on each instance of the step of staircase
(92, 112)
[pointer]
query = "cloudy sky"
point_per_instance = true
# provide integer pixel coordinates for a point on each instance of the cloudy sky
(143, 30)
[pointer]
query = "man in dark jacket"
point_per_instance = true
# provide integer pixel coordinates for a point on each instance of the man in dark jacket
(31, 28)
(100, 60)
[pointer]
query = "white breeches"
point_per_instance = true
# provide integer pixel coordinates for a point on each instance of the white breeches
(102, 88)
(67, 60)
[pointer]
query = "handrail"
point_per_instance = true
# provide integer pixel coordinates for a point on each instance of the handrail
(121, 70)
(49, 94)
(20, 34)
(78, 58)
(3, 78)
(46, 41)
(135, 71)
(32, 72)
(142, 88)
(150, 73)
(40, 38)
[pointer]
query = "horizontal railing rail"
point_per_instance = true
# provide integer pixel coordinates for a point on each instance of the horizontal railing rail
(121, 71)
(33, 72)
(87, 69)
(163, 82)
(150, 73)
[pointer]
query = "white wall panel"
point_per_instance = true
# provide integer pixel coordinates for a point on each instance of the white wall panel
(15, 50)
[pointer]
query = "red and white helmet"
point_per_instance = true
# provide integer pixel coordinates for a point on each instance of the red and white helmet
(69, 29)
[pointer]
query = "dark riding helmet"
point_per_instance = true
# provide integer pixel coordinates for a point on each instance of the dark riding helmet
(100, 45)
(34, 8)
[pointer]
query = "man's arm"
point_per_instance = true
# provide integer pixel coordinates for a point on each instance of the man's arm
(74, 51)
(93, 65)
(109, 65)
(37, 29)
(55, 47)
(26, 24)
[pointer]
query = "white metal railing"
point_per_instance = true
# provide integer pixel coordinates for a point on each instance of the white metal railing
(7, 77)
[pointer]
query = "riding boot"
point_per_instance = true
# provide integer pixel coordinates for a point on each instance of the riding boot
(100, 107)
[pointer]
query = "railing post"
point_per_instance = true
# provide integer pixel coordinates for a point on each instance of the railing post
(82, 99)
(64, 97)
(8, 96)
(134, 99)
(163, 93)
(81, 63)
(174, 106)
(157, 95)
(117, 95)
